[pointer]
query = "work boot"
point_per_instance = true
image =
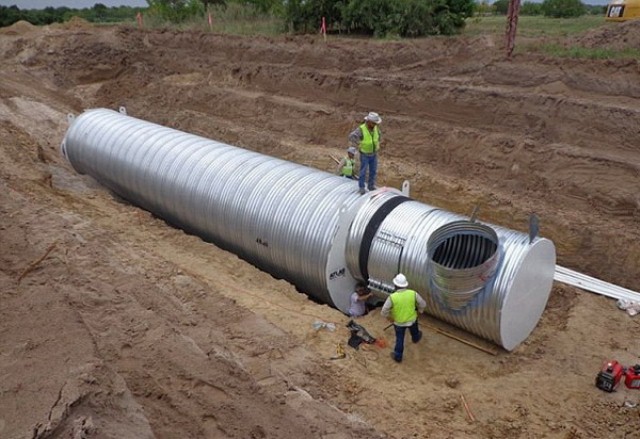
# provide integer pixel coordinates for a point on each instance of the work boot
(419, 337)
(394, 358)
(373, 188)
(362, 191)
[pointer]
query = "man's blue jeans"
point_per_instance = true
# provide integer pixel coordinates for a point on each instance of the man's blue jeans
(368, 161)
(416, 335)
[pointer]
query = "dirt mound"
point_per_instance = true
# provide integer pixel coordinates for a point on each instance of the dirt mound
(76, 22)
(18, 28)
(619, 36)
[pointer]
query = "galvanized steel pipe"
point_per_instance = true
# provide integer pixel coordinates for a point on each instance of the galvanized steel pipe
(314, 229)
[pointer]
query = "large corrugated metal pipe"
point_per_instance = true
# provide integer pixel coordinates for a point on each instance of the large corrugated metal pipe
(313, 229)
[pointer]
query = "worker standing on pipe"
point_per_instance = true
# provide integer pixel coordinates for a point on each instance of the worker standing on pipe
(367, 139)
(346, 166)
(402, 308)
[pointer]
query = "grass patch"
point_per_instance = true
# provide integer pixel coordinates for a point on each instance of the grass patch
(239, 19)
(244, 19)
(534, 26)
(585, 52)
(235, 19)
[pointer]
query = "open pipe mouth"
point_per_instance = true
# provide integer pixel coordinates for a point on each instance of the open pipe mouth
(63, 145)
(63, 150)
(463, 257)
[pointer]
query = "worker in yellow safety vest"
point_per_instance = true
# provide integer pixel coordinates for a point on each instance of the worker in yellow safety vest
(367, 138)
(347, 166)
(402, 308)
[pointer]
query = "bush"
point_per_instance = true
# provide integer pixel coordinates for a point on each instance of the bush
(407, 18)
(175, 11)
(563, 8)
(501, 7)
(305, 15)
(377, 17)
(531, 8)
(596, 9)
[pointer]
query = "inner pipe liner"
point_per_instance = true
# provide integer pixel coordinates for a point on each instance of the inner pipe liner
(463, 255)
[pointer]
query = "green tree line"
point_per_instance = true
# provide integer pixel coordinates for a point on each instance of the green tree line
(406, 18)
(99, 13)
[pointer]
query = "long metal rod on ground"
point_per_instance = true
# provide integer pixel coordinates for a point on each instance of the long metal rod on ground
(570, 277)
(462, 340)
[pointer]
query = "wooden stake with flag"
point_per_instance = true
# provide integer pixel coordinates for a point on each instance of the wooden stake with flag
(210, 20)
(323, 29)
(139, 20)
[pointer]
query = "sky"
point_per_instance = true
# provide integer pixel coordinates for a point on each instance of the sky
(76, 4)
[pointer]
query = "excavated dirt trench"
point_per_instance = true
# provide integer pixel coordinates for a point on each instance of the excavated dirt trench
(130, 328)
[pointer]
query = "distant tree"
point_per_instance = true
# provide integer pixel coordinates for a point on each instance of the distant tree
(50, 15)
(563, 8)
(176, 10)
(208, 3)
(596, 9)
(70, 13)
(264, 5)
(304, 15)
(405, 18)
(461, 9)
(531, 8)
(122, 13)
(99, 12)
(501, 7)
(483, 8)
(9, 15)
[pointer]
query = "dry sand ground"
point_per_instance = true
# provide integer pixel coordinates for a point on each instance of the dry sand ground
(131, 329)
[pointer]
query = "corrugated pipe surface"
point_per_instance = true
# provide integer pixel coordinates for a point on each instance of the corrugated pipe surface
(314, 230)
(485, 279)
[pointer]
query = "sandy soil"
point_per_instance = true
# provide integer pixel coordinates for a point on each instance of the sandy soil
(129, 328)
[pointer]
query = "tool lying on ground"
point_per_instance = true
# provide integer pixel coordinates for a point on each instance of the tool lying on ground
(340, 354)
(613, 372)
(359, 335)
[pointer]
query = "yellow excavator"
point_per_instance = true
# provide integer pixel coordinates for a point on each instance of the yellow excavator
(623, 10)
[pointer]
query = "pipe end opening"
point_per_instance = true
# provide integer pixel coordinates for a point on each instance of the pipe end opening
(463, 256)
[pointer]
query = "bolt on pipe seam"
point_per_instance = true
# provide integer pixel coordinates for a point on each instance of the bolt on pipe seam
(313, 229)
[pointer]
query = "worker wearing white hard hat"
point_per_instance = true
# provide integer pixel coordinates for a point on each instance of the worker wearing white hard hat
(347, 165)
(367, 139)
(373, 118)
(402, 308)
